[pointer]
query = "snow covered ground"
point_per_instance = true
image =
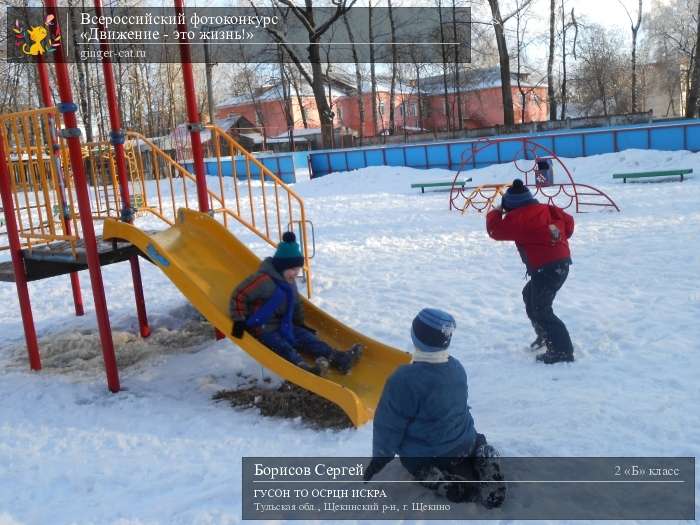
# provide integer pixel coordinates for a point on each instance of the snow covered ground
(162, 452)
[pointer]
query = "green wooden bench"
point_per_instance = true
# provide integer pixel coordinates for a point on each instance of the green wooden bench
(642, 174)
(423, 185)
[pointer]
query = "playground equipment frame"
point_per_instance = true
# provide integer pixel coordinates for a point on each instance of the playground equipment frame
(463, 197)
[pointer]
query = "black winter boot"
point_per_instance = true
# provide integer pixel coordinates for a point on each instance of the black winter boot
(488, 469)
(538, 343)
(319, 368)
(551, 357)
(344, 361)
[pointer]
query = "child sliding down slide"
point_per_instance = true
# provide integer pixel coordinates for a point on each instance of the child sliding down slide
(267, 305)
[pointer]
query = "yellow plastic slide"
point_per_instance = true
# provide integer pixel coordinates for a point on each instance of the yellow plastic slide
(206, 262)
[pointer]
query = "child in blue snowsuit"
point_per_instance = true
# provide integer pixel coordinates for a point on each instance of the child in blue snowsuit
(423, 417)
(267, 305)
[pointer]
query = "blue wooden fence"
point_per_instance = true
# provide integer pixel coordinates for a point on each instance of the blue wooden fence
(679, 135)
(280, 165)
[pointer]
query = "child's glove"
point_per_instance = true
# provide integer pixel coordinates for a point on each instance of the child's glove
(238, 329)
(554, 233)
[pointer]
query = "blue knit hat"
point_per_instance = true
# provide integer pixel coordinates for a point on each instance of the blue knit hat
(288, 254)
(517, 196)
(432, 330)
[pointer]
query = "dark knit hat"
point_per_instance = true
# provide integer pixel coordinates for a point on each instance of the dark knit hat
(516, 196)
(288, 254)
(432, 330)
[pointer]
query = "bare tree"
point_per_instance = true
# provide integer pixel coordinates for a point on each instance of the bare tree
(499, 22)
(551, 98)
(358, 79)
(443, 50)
(372, 66)
(565, 26)
(691, 103)
(634, 25)
(315, 31)
(394, 60)
(458, 66)
(671, 31)
(521, 21)
(601, 81)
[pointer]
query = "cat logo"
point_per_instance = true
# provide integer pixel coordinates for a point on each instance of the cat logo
(37, 40)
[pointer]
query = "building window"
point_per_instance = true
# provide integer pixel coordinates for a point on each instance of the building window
(339, 113)
(380, 107)
(414, 110)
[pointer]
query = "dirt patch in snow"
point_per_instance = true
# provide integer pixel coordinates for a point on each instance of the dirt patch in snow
(79, 351)
(287, 401)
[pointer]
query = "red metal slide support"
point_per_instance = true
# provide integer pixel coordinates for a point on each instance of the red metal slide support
(117, 138)
(47, 101)
(194, 124)
(17, 264)
(72, 136)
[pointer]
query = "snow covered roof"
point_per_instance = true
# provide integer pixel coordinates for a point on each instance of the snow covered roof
(257, 138)
(299, 132)
(272, 93)
(472, 80)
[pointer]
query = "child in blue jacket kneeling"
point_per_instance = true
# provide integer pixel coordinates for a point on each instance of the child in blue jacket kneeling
(423, 417)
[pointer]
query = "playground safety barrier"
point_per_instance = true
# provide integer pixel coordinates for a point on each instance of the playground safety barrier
(679, 135)
(557, 187)
(158, 185)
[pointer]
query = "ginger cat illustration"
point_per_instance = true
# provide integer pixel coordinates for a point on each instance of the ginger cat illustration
(36, 35)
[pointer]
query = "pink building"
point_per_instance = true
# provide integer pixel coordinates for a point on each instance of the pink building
(479, 94)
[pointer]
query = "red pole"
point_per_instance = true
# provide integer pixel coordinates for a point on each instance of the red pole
(117, 136)
(47, 101)
(72, 135)
(194, 124)
(17, 264)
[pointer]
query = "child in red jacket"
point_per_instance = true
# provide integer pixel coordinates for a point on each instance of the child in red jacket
(541, 234)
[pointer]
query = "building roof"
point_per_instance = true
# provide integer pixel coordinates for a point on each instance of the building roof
(343, 84)
(473, 80)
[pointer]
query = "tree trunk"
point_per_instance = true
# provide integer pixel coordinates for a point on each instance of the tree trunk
(446, 111)
(372, 71)
(691, 103)
(358, 79)
(324, 111)
(287, 102)
(551, 98)
(563, 62)
(82, 86)
(208, 70)
(458, 83)
(420, 99)
(635, 30)
(300, 101)
(394, 60)
(504, 59)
